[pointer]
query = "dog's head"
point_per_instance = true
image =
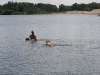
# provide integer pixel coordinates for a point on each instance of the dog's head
(48, 41)
(27, 39)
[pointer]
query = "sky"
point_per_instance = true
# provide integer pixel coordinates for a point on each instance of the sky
(54, 2)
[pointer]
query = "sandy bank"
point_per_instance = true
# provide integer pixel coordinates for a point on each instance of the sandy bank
(95, 11)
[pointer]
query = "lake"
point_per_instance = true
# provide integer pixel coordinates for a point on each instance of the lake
(76, 39)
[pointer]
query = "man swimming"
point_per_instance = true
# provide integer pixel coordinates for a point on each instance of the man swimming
(32, 36)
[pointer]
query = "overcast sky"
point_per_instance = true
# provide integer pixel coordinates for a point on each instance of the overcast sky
(55, 2)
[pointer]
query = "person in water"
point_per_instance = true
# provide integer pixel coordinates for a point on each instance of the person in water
(32, 36)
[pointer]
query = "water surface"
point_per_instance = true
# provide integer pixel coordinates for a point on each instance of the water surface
(76, 39)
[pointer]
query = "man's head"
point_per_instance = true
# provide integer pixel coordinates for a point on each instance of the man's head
(32, 32)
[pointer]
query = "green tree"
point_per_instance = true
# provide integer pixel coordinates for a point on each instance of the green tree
(81, 6)
(62, 8)
(0, 11)
(86, 9)
(21, 7)
(16, 9)
(75, 6)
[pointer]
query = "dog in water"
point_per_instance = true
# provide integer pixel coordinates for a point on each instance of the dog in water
(32, 36)
(48, 43)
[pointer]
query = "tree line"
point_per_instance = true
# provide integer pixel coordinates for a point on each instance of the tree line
(41, 8)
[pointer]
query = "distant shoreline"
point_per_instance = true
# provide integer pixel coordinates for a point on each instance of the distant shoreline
(93, 12)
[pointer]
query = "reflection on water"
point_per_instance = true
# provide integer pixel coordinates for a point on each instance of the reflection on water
(76, 47)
